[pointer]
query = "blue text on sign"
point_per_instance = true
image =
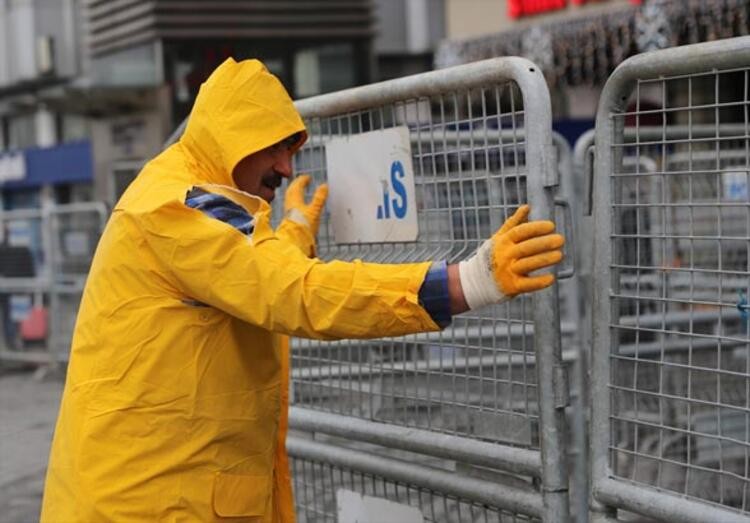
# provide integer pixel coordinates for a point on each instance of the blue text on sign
(399, 203)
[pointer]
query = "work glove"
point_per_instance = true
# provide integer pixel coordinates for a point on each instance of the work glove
(297, 210)
(302, 220)
(500, 268)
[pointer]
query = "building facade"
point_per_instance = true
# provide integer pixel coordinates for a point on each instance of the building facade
(578, 43)
(44, 150)
(406, 36)
(112, 78)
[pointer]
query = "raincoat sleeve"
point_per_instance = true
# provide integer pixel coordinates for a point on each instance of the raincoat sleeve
(270, 283)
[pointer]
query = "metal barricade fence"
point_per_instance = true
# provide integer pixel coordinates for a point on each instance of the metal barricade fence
(23, 274)
(320, 469)
(74, 232)
(46, 257)
(494, 380)
(580, 383)
(670, 427)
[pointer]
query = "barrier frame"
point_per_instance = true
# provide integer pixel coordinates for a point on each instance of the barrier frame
(541, 161)
(608, 493)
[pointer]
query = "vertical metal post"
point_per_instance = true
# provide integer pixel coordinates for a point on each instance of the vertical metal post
(51, 251)
(541, 182)
(608, 131)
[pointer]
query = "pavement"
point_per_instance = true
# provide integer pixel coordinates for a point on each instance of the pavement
(29, 403)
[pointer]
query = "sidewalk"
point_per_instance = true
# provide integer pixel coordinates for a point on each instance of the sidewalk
(28, 409)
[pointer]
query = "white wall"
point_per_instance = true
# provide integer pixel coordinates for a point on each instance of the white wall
(24, 22)
(4, 43)
(55, 19)
(44, 127)
(418, 28)
(390, 27)
(22, 47)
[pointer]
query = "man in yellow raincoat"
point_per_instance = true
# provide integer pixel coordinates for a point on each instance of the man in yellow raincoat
(175, 403)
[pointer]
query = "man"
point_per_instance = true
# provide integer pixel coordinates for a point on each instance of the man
(175, 402)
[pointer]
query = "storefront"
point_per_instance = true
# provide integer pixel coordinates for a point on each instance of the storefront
(577, 43)
(33, 178)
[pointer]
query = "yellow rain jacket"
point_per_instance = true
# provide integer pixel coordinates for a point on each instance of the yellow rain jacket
(175, 402)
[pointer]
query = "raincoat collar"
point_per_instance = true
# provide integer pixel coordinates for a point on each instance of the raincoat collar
(241, 109)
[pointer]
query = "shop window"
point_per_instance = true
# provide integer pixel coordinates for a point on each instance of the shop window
(21, 131)
(323, 69)
(4, 137)
(74, 128)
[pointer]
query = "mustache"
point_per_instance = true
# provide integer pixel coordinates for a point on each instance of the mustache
(272, 180)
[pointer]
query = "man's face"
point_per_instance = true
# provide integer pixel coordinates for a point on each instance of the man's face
(261, 173)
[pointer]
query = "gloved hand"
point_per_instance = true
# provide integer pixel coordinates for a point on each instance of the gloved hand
(297, 210)
(500, 268)
(300, 225)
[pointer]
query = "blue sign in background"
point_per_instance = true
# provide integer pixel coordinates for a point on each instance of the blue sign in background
(67, 163)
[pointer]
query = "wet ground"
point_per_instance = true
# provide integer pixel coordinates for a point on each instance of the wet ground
(28, 409)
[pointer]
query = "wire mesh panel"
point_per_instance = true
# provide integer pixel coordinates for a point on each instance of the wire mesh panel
(477, 377)
(23, 276)
(74, 234)
(24, 243)
(671, 275)
(318, 484)
(473, 143)
(75, 231)
(46, 256)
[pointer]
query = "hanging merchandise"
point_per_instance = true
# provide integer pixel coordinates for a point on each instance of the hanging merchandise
(602, 56)
(589, 46)
(586, 49)
(536, 45)
(653, 27)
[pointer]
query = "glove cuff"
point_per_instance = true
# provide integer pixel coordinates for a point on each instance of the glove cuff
(297, 216)
(477, 281)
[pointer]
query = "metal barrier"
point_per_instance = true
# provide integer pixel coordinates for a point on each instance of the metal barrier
(495, 376)
(321, 469)
(580, 383)
(670, 436)
(46, 258)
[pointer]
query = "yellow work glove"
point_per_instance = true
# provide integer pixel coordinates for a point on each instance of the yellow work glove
(500, 268)
(300, 225)
(297, 210)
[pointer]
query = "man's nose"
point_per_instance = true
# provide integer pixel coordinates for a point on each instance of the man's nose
(283, 165)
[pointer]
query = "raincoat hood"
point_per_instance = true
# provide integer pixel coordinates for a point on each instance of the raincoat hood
(241, 109)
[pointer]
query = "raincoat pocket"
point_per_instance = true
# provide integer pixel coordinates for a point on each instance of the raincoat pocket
(240, 495)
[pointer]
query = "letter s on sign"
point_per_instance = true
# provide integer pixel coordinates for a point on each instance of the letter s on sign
(399, 204)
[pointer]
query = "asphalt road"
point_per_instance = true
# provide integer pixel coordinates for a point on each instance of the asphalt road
(28, 409)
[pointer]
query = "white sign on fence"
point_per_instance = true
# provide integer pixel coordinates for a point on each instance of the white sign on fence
(735, 185)
(371, 182)
(353, 507)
